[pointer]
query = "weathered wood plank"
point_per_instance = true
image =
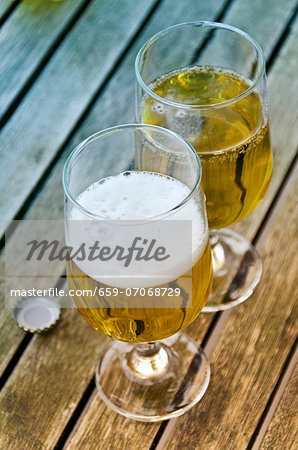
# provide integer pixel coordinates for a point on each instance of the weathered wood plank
(62, 92)
(10, 334)
(279, 14)
(90, 424)
(283, 430)
(250, 353)
(25, 39)
(104, 429)
(48, 194)
(49, 204)
(31, 413)
(4, 6)
(100, 428)
(282, 93)
(103, 39)
(283, 119)
(264, 27)
(264, 21)
(118, 104)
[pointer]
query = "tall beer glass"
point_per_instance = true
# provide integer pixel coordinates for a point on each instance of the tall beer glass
(133, 188)
(206, 81)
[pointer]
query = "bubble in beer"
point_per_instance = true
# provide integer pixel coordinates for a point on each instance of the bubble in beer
(232, 139)
(159, 108)
(146, 194)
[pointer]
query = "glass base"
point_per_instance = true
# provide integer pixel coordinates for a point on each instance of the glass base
(237, 270)
(153, 382)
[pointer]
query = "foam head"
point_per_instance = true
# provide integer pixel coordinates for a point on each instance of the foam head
(141, 204)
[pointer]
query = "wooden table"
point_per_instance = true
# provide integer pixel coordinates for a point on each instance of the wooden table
(67, 70)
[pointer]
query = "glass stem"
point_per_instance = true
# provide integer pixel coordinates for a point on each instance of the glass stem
(217, 251)
(148, 360)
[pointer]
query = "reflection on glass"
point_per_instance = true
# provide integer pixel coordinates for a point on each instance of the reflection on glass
(214, 95)
(110, 184)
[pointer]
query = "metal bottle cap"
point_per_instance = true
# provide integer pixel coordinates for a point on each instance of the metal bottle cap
(37, 314)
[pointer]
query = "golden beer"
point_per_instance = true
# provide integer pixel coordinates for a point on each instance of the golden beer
(143, 324)
(158, 193)
(233, 140)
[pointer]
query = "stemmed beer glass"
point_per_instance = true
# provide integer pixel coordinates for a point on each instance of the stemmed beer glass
(206, 81)
(133, 199)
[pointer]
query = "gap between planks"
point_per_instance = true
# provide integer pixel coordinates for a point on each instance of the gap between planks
(25, 206)
(31, 195)
(292, 359)
(7, 12)
(77, 414)
(28, 337)
(222, 318)
(79, 411)
(211, 338)
(218, 326)
(281, 40)
(273, 403)
(43, 62)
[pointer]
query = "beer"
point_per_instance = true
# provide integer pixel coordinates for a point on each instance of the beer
(139, 196)
(233, 140)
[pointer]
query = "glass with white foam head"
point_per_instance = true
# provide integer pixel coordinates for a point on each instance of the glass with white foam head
(206, 81)
(141, 181)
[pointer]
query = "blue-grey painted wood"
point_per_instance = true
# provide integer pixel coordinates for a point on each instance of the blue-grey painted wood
(5, 5)
(190, 435)
(264, 20)
(116, 105)
(117, 102)
(112, 106)
(50, 203)
(25, 39)
(254, 17)
(53, 106)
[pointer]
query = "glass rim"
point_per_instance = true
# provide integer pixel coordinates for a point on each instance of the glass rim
(199, 24)
(82, 145)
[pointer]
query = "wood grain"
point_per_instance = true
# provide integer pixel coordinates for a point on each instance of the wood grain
(283, 430)
(10, 335)
(46, 207)
(5, 5)
(54, 104)
(118, 105)
(250, 353)
(25, 39)
(264, 21)
(91, 424)
(54, 371)
(20, 155)
(105, 428)
(282, 90)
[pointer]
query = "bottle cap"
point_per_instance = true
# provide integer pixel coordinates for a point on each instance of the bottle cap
(37, 314)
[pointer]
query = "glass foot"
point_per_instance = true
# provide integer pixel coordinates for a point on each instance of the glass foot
(237, 270)
(153, 382)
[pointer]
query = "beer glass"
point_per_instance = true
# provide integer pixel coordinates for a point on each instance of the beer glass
(124, 186)
(206, 81)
